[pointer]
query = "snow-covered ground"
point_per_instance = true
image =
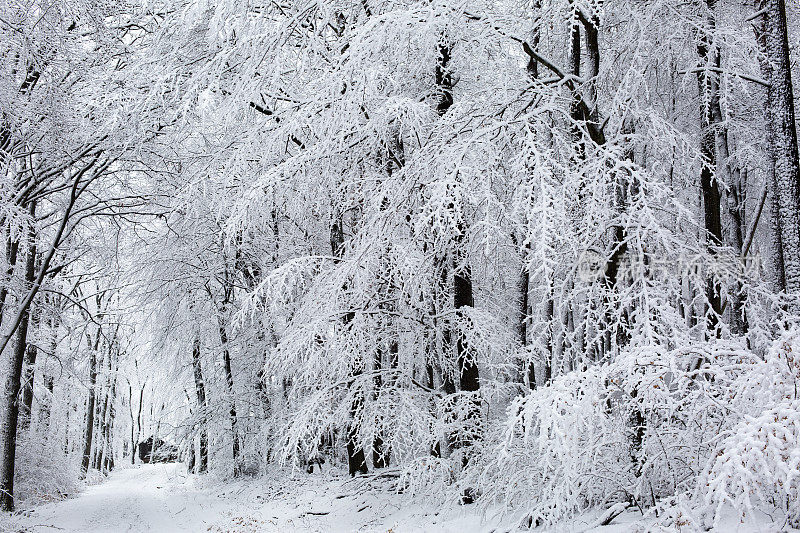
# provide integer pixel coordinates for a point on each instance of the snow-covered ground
(162, 498)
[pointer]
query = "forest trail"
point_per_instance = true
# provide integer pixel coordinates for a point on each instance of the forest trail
(153, 498)
(162, 498)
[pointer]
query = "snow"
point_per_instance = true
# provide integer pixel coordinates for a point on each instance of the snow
(146, 498)
(162, 498)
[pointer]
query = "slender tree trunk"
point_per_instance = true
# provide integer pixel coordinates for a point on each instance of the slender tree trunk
(104, 424)
(200, 389)
(99, 417)
(27, 386)
(66, 432)
(380, 456)
(31, 351)
(8, 433)
(12, 249)
(49, 380)
(356, 459)
(139, 421)
(713, 127)
(226, 360)
(88, 434)
(108, 450)
(709, 187)
(466, 365)
(130, 410)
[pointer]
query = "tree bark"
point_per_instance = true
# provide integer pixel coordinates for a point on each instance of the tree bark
(713, 127)
(8, 435)
(356, 459)
(709, 186)
(226, 362)
(48, 379)
(12, 249)
(466, 365)
(782, 137)
(130, 411)
(139, 421)
(27, 386)
(88, 433)
(104, 445)
(200, 389)
(31, 351)
(99, 416)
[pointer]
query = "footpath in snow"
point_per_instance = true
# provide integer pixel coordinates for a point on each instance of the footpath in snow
(163, 498)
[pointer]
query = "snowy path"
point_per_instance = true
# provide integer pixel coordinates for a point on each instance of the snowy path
(163, 499)
(152, 498)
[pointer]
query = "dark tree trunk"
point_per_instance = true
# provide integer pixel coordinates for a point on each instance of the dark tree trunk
(527, 369)
(108, 457)
(133, 436)
(200, 389)
(12, 249)
(709, 187)
(466, 365)
(380, 451)
(88, 434)
(31, 352)
(47, 405)
(226, 360)
(782, 137)
(8, 435)
(138, 424)
(27, 386)
(713, 124)
(48, 379)
(99, 416)
(106, 420)
(356, 459)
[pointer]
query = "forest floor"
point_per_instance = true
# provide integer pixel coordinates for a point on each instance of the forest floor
(162, 498)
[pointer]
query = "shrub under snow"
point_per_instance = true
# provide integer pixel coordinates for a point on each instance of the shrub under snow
(714, 426)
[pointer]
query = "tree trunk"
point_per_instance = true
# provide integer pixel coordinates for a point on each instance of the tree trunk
(90, 407)
(782, 137)
(8, 434)
(101, 405)
(31, 352)
(12, 249)
(712, 126)
(108, 450)
(466, 365)
(27, 386)
(49, 381)
(46, 406)
(356, 459)
(709, 187)
(133, 437)
(104, 447)
(200, 389)
(226, 360)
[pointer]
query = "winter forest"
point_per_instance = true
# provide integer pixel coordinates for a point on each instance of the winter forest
(399, 265)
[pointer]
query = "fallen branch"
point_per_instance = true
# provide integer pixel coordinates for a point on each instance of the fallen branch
(610, 514)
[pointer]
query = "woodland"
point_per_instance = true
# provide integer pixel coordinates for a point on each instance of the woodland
(540, 256)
